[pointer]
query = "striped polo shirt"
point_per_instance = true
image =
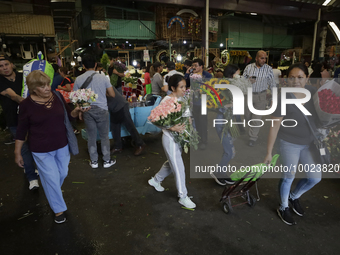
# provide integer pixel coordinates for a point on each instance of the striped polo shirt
(264, 76)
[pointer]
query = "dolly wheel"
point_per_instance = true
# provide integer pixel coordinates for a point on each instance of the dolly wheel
(252, 201)
(227, 208)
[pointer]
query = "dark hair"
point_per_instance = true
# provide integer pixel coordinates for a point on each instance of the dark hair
(275, 65)
(148, 65)
(63, 70)
(171, 65)
(188, 62)
(89, 61)
(174, 80)
(230, 70)
(154, 67)
(55, 67)
(199, 61)
(5, 57)
(301, 66)
(316, 71)
(325, 65)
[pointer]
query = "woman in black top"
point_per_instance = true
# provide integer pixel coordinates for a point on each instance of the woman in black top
(296, 146)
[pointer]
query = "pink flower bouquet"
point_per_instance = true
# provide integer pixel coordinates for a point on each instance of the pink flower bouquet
(172, 112)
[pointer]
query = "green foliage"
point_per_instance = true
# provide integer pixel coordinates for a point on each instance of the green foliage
(105, 61)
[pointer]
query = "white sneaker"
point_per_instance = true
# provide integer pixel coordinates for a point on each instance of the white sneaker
(156, 185)
(94, 164)
(109, 163)
(186, 202)
(33, 185)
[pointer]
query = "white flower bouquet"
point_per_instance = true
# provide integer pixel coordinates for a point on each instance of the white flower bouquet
(83, 97)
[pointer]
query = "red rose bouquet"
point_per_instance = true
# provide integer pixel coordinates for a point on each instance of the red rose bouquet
(327, 104)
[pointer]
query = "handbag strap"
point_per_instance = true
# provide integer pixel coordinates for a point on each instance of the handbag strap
(310, 126)
(61, 100)
(87, 81)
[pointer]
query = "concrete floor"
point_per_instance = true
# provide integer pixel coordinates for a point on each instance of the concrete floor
(115, 211)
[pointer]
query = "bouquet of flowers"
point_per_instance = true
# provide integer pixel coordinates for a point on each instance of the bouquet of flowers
(83, 97)
(333, 144)
(327, 104)
(120, 67)
(172, 112)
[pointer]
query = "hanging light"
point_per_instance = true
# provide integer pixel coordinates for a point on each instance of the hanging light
(79, 58)
(101, 41)
(184, 42)
(221, 44)
(130, 44)
(73, 63)
(89, 44)
(44, 39)
(179, 58)
(127, 42)
(134, 63)
(4, 46)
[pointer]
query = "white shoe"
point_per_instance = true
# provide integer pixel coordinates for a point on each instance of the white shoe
(109, 163)
(186, 202)
(156, 185)
(94, 164)
(33, 185)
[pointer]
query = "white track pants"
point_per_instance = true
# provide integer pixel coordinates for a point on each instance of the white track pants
(174, 165)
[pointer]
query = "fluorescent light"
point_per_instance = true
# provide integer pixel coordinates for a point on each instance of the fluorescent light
(253, 13)
(335, 29)
(326, 2)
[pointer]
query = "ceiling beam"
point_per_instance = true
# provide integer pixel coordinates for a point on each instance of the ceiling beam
(269, 7)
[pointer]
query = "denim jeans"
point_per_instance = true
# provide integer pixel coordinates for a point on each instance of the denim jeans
(291, 155)
(97, 119)
(53, 169)
(27, 157)
(228, 146)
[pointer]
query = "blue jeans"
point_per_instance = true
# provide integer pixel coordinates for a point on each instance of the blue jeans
(228, 146)
(291, 155)
(27, 157)
(97, 119)
(53, 169)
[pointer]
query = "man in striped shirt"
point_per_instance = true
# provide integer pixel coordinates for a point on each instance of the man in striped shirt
(261, 76)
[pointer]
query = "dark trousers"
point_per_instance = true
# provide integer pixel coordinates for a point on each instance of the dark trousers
(118, 118)
(27, 157)
(201, 123)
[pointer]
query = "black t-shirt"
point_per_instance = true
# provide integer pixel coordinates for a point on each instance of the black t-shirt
(119, 80)
(9, 106)
(66, 80)
(301, 133)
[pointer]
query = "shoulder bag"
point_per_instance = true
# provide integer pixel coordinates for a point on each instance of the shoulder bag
(71, 137)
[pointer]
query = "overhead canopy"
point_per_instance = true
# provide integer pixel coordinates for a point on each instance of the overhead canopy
(301, 9)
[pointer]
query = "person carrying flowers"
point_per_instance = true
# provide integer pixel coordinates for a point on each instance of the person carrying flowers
(172, 149)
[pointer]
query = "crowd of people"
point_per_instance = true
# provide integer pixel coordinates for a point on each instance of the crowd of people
(46, 110)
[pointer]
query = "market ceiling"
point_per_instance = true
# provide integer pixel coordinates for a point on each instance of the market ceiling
(302, 9)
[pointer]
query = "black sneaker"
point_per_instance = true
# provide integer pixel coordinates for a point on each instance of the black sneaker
(286, 216)
(60, 219)
(222, 181)
(297, 208)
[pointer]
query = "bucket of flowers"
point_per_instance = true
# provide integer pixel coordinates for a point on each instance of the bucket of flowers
(83, 97)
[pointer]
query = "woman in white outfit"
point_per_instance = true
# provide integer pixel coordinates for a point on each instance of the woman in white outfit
(173, 150)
